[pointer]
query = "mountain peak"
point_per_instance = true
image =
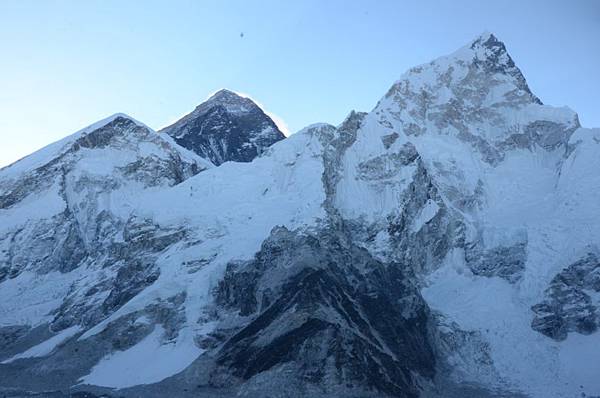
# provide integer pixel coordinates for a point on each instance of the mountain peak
(475, 93)
(353, 121)
(230, 101)
(488, 46)
(106, 121)
(490, 54)
(225, 95)
(484, 37)
(226, 127)
(480, 65)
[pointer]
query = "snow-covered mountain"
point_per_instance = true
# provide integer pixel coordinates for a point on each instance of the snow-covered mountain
(227, 127)
(442, 245)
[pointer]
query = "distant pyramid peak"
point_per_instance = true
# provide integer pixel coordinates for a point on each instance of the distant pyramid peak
(226, 127)
(230, 101)
(225, 94)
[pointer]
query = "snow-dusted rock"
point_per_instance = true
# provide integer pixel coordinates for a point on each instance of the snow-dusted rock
(227, 127)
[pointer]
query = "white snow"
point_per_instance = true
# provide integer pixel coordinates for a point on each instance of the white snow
(370, 200)
(52, 151)
(533, 196)
(47, 346)
(32, 208)
(29, 298)
(537, 198)
(425, 215)
(149, 361)
(579, 357)
(233, 207)
(525, 359)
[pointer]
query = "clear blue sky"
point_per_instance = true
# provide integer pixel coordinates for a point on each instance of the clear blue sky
(66, 64)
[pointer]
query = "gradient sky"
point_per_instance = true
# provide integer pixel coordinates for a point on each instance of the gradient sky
(66, 64)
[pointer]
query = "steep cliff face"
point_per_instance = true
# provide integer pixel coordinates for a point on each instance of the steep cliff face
(227, 127)
(441, 245)
(328, 314)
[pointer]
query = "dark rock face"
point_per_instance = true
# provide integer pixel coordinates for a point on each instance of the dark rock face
(435, 238)
(549, 135)
(569, 306)
(507, 262)
(331, 312)
(225, 128)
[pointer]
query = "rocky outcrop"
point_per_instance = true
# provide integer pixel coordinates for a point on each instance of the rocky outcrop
(506, 262)
(572, 301)
(328, 312)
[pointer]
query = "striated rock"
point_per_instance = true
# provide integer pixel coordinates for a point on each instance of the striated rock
(331, 312)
